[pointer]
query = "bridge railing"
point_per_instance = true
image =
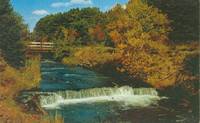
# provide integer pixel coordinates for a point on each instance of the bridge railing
(40, 46)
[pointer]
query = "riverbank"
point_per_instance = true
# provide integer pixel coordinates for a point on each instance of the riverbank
(104, 60)
(13, 81)
(161, 72)
(176, 68)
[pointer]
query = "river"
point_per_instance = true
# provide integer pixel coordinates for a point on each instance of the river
(80, 95)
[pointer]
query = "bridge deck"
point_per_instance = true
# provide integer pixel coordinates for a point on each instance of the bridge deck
(40, 47)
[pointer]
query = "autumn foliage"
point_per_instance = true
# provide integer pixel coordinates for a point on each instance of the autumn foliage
(142, 49)
(139, 21)
(97, 33)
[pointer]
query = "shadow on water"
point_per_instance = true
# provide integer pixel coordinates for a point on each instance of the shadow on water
(56, 76)
(83, 96)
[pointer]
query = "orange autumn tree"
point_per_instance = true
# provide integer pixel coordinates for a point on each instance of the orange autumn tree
(139, 31)
(96, 34)
(69, 35)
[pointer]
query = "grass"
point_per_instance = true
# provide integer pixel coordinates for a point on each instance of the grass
(91, 56)
(11, 82)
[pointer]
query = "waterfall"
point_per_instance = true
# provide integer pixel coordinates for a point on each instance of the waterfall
(126, 95)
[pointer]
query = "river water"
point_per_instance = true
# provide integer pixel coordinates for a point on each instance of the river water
(79, 95)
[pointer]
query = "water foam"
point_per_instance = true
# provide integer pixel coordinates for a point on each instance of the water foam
(139, 97)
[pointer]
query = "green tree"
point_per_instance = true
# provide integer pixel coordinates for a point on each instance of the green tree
(184, 16)
(64, 44)
(77, 19)
(11, 31)
(48, 27)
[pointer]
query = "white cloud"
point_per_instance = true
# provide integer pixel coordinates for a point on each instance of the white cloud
(81, 1)
(59, 4)
(71, 3)
(40, 12)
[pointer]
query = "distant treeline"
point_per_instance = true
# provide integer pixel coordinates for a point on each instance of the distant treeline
(90, 25)
(83, 24)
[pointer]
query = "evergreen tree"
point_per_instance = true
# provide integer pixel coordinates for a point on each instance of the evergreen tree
(184, 16)
(11, 31)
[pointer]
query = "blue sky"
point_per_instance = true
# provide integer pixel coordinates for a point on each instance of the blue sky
(33, 10)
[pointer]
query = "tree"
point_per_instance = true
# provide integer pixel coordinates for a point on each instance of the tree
(77, 19)
(11, 31)
(118, 24)
(96, 34)
(64, 44)
(48, 26)
(138, 21)
(184, 16)
(139, 31)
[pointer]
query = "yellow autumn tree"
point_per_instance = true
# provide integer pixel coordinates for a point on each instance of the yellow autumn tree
(118, 24)
(139, 30)
(147, 22)
(137, 20)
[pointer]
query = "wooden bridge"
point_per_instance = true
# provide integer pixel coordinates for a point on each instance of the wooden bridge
(40, 47)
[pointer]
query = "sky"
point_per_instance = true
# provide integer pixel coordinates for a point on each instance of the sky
(33, 10)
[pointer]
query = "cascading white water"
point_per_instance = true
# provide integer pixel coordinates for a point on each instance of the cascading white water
(125, 95)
